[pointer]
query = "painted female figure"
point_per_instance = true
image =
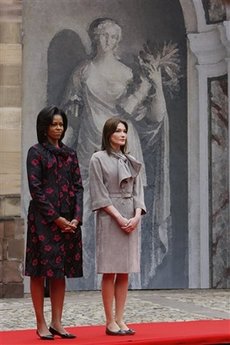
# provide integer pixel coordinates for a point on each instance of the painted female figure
(103, 87)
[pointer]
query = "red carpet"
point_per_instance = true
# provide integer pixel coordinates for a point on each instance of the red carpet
(170, 333)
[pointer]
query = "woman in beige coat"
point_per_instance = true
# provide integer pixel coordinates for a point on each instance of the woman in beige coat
(117, 197)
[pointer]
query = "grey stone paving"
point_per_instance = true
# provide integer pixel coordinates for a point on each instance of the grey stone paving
(85, 307)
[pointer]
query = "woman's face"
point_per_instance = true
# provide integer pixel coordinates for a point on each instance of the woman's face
(108, 39)
(55, 130)
(119, 137)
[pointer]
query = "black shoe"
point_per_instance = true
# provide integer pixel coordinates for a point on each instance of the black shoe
(45, 337)
(129, 331)
(62, 335)
(108, 332)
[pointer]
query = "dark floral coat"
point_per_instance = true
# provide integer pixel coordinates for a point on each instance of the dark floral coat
(56, 189)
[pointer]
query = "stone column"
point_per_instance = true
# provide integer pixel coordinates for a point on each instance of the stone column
(210, 54)
(225, 38)
(11, 223)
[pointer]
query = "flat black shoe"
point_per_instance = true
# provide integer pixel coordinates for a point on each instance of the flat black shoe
(129, 331)
(62, 335)
(108, 332)
(45, 337)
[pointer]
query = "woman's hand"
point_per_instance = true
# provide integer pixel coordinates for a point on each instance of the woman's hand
(74, 223)
(127, 225)
(131, 225)
(65, 225)
(122, 221)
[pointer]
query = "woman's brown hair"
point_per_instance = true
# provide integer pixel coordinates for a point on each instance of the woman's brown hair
(109, 128)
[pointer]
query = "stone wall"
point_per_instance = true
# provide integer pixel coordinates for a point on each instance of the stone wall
(11, 224)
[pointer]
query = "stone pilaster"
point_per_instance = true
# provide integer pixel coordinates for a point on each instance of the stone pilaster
(11, 224)
(210, 53)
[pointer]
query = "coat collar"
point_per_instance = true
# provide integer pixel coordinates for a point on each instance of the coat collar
(128, 166)
(60, 151)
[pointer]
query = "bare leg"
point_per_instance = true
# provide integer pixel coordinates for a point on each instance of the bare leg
(121, 290)
(107, 289)
(57, 295)
(37, 294)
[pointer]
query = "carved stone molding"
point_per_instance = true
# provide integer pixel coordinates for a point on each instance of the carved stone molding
(225, 35)
(207, 46)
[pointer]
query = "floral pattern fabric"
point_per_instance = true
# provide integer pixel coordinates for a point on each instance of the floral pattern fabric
(56, 189)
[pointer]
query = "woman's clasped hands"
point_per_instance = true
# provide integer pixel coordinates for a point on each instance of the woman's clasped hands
(129, 225)
(66, 225)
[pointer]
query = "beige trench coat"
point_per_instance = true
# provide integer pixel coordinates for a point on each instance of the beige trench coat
(115, 180)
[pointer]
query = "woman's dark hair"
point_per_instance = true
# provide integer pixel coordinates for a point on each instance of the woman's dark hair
(109, 128)
(45, 119)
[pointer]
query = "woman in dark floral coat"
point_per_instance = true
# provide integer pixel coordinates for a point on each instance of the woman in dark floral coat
(54, 245)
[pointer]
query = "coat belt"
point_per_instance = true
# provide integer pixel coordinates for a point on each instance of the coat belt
(121, 195)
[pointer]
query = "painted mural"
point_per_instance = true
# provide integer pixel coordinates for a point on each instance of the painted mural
(126, 58)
